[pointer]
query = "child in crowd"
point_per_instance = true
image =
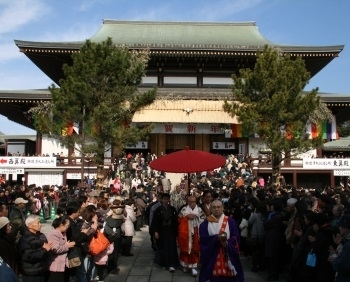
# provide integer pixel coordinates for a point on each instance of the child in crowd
(100, 261)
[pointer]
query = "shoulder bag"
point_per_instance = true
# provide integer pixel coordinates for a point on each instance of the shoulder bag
(73, 258)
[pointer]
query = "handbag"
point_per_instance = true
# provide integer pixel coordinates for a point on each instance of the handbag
(311, 259)
(98, 243)
(73, 258)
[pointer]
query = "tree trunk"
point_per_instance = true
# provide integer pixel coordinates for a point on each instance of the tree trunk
(276, 168)
(100, 177)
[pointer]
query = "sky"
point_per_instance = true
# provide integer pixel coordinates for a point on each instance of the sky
(291, 22)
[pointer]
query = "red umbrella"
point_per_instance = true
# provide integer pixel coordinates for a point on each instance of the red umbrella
(187, 161)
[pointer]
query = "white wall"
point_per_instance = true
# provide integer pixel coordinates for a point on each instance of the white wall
(51, 145)
(255, 145)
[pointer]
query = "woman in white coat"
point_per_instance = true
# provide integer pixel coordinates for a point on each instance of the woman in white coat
(128, 227)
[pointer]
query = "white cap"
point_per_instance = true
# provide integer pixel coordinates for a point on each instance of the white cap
(291, 201)
(3, 221)
(20, 201)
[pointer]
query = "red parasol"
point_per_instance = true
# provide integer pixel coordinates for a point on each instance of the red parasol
(187, 161)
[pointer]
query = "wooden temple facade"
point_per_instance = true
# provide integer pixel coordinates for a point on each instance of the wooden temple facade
(191, 63)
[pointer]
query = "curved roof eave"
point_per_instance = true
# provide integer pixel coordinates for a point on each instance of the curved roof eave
(74, 45)
(218, 36)
(239, 36)
(285, 48)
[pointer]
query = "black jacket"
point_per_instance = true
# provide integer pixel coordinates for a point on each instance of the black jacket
(17, 218)
(8, 253)
(34, 257)
(80, 238)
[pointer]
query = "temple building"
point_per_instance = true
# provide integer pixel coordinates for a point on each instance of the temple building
(191, 64)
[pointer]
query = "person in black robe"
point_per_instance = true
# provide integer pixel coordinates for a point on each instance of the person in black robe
(164, 226)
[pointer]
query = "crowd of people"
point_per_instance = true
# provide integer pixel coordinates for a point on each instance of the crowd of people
(204, 225)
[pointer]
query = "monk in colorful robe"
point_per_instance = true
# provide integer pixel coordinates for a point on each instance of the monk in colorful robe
(219, 247)
(189, 218)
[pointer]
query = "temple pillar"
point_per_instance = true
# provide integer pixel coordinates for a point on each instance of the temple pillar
(161, 144)
(198, 142)
(38, 143)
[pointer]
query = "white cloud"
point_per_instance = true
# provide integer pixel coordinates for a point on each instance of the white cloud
(76, 32)
(24, 78)
(9, 51)
(16, 13)
(88, 4)
(224, 9)
(208, 10)
(152, 14)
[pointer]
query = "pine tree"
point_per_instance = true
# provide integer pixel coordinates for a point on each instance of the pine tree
(269, 101)
(100, 93)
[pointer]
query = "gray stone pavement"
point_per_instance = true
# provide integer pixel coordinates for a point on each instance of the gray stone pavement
(140, 267)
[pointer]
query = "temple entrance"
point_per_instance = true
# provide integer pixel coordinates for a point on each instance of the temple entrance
(178, 142)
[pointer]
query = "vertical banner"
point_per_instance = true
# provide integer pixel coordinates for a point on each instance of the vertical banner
(241, 149)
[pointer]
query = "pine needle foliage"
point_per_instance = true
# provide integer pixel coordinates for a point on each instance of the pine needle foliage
(100, 93)
(269, 101)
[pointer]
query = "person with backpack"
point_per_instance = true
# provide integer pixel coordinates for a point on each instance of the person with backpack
(113, 231)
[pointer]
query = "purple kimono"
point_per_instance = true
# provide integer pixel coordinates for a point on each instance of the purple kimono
(209, 249)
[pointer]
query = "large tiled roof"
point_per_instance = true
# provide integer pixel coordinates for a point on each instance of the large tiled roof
(182, 35)
(342, 144)
(206, 36)
(238, 42)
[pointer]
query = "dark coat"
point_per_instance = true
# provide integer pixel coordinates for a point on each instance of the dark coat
(274, 236)
(80, 238)
(305, 247)
(324, 239)
(165, 223)
(342, 263)
(158, 220)
(17, 218)
(9, 254)
(34, 258)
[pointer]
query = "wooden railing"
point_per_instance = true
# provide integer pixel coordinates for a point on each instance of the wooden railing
(254, 162)
(76, 161)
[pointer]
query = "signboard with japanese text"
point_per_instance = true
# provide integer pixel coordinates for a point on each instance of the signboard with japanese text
(27, 162)
(11, 171)
(338, 172)
(77, 176)
(223, 145)
(187, 128)
(47, 178)
(339, 164)
(139, 145)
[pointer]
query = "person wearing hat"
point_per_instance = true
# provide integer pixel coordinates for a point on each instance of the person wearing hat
(17, 217)
(341, 260)
(7, 247)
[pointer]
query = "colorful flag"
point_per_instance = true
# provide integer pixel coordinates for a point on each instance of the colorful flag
(68, 130)
(236, 131)
(327, 130)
